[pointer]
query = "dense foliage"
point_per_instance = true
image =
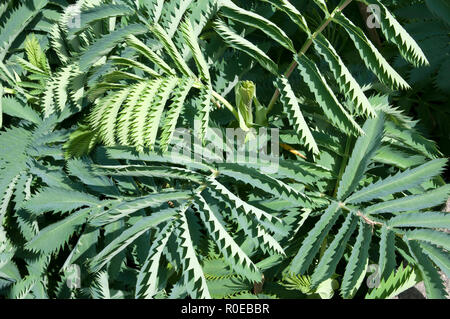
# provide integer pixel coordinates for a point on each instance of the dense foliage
(98, 96)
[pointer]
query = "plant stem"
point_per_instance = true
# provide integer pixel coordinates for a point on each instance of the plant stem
(198, 84)
(348, 142)
(227, 104)
(372, 222)
(305, 48)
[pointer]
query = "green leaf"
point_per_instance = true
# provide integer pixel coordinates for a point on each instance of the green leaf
(146, 286)
(357, 263)
(395, 33)
(433, 283)
(397, 282)
(432, 236)
(194, 278)
(295, 115)
(172, 50)
(192, 43)
(399, 182)
(362, 153)
(13, 107)
(140, 46)
(232, 252)
(260, 215)
(241, 44)
(53, 237)
(371, 56)
(425, 219)
(17, 21)
(203, 112)
(100, 287)
(104, 45)
(325, 97)
(59, 201)
(254, 178)
(438, 256)
(311, 245)
(122, 208)
(232, 11)
(154, 114)
(173, 12)
(151, 171)
(291, 11)
(344, 78)
(175, 108)
(413, 202)
(328, 263)
(387, 252)
(98, 13)
(128, 236)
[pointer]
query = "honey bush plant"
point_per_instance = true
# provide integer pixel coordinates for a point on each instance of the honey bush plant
(93, 92)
